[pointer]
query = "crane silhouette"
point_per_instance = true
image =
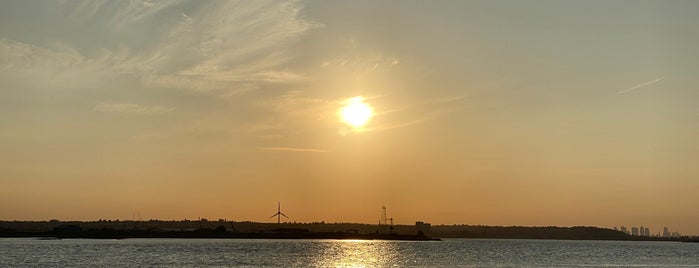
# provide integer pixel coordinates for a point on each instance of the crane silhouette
(279, 213)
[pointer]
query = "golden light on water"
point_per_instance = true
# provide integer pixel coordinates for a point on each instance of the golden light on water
(356, 113)
(359, 253)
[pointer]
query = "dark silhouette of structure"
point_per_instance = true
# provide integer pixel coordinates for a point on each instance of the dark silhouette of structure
(279, 213)
(384, 222)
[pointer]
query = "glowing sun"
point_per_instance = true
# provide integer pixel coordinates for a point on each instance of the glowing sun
(356, 113)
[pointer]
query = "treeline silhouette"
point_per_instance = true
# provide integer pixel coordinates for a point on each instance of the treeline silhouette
(521, 232)
(75, 231)
(231, 229)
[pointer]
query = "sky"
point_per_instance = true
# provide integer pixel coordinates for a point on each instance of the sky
(531, 113)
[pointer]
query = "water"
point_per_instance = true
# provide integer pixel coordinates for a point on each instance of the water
(21, 252)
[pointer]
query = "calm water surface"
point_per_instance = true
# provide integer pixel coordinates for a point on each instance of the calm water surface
(15, 252)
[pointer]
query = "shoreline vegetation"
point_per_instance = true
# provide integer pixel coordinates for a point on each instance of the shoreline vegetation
(116, 229)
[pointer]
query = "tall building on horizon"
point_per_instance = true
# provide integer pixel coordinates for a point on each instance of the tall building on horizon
(634, 230)
(666, 232)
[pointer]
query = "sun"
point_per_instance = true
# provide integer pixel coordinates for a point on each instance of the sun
(356, 113)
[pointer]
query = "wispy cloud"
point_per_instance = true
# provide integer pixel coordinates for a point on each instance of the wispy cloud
(424, 118)
(448, 99)
(228, 49)
(118, 14)
(361, 64)
(297, 103)
(291, 149)
(131, 108)
(429, 109)
(225, 48)
(60, 66)
(640, 85)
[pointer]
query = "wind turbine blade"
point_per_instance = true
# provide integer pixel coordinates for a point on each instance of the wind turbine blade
(275, 215)
(283, 215)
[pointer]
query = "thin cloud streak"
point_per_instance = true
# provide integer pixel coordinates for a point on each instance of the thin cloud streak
(429, 116)
(132, 108)
(448, 99)
(290, 149)
(640, 86)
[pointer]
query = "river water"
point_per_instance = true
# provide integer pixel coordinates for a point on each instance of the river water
(23, 252)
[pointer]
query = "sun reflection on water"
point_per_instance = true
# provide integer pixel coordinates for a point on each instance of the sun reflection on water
(357, 253)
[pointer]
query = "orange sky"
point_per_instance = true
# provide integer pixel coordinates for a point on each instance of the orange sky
(507, 113)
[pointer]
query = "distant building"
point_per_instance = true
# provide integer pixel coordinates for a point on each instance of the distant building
(634, 230)
(623, 229)
(641, 230)
(666, 232)
(423, 226)
(646, 232)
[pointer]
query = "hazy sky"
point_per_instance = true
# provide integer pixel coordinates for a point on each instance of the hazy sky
(486, 112)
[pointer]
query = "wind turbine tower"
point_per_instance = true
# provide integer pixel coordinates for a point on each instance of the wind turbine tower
(279, 213)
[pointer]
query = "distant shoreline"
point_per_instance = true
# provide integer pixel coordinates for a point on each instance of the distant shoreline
(216, 234)
(107, 229)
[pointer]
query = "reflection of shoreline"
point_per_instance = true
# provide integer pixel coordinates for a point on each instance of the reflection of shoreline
(214, 233)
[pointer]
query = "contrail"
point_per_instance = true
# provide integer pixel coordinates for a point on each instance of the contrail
(640, 86)
(288, 149)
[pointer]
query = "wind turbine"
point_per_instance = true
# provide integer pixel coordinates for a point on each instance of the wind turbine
(279, 214)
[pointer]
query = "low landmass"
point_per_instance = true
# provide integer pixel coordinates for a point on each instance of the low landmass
(116, 229)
